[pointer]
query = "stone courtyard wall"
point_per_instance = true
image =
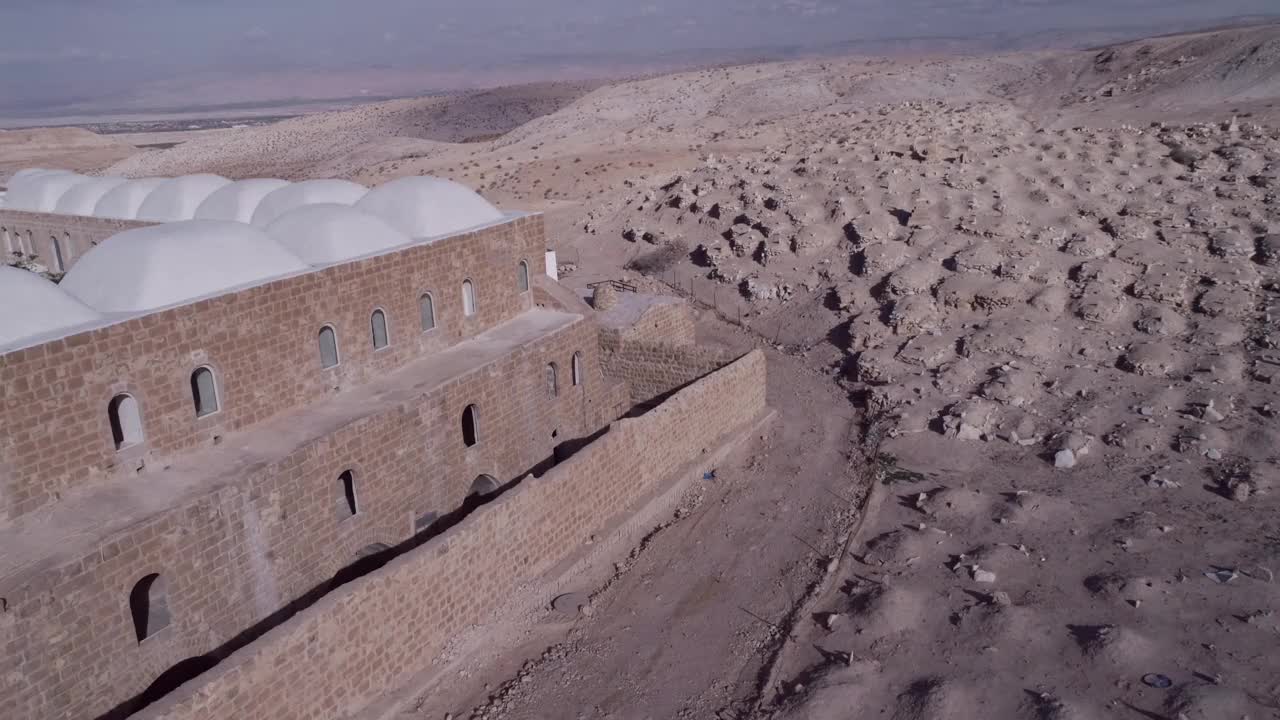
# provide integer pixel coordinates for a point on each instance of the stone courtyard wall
(34, 233)
(337, 656)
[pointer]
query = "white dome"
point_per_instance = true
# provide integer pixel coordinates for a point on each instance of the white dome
(28, 172)
(238, 200)
(35, 306)
(40, 192)
(83, 198)
(122, 201)
(328, 233)
(428, 206)
(308, 192)
(161, 265)
(177, 199)
(32, 172)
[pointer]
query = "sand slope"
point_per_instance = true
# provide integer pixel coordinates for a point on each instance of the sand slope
(300, 147)
(68, 148)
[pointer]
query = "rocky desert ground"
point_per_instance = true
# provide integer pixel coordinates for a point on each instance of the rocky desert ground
(1021, 313)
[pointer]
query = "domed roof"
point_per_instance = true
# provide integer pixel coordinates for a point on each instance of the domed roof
(83, 198)
(19, 174)
(308, 192)
(34, 306)
(428, 206)
(177, 199)
(161, 265)
(329, 233)
(40, 192)
(122, 201)
(29, 172)
(32, 172)
(238, 200)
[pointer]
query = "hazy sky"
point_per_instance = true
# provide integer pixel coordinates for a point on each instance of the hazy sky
(62, 51)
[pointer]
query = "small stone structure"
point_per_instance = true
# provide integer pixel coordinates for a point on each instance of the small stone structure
(201, 495)
(604, 297)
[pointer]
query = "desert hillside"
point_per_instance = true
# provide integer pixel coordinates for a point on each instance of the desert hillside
(1037, 290)
(70, 148)
(1170, 78)
(298, 147)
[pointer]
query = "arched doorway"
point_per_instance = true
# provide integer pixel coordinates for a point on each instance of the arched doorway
(367, 559)
(483, 485)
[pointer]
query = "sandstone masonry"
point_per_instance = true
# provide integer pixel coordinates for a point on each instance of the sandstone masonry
(230, 550)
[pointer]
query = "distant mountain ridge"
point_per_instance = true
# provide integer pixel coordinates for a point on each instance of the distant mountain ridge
(217, 92)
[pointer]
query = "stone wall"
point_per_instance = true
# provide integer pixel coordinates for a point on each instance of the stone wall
(261, 344)
(652, 370)
(666, 320)
(657, 353)
(374, 634)
(33, 233)
(239, 530)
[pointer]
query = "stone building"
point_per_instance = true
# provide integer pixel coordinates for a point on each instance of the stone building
(244, 398)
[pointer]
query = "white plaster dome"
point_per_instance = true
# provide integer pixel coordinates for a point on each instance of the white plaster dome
(40, 192)
(161, 265)
(26, 172)
(238, 200)
(307, 192)
(177, 199)
(122, 201)
(34, 306)
(428, 206)
(32, 172)
(83, 198)
(328, 233)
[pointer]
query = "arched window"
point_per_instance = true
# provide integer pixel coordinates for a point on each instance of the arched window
(483, 485)
(149, 606)
(328, 347)
(379, 324)
(8, 242)
(522, 276)
(470, 426)
(31, 244)
(126, 423)
(204, 391)
(427, 309)
(347, 506)
(468, 298)
(577, 368)
(56, 248)
(553, 382)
